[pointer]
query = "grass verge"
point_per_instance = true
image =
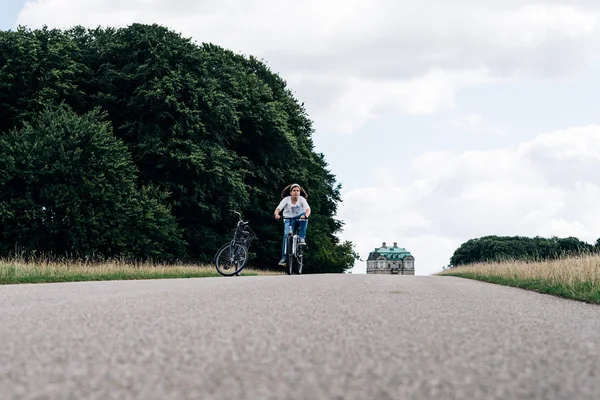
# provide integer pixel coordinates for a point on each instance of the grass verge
(15, 271)
(576, 278)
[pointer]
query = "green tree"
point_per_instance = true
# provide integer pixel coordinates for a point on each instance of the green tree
(572, 245)
(497, 248)
(37, 69)
(213, 129)
(68, 187)
(218, 130)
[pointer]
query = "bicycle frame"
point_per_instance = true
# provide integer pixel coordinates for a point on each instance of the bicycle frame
(242, 233)
(293, 252)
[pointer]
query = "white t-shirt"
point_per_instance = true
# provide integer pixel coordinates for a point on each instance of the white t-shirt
(290, 210)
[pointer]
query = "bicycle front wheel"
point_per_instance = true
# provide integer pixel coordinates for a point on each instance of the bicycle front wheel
(290, 255)
(230, 260)
(299, 261)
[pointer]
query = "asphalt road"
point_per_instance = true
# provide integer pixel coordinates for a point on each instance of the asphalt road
(299, 337)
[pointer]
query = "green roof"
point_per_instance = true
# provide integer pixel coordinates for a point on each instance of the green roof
(391, 250)
(390, 253)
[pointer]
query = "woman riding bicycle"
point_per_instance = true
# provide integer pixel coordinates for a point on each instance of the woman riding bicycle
(293, 205)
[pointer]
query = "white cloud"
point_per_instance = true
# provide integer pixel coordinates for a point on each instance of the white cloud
(352, 62)
(474, 123)
(446, 198)
(533, 24)
(577, 144)
(360, 100)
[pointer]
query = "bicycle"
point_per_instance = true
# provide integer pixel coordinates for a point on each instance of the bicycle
(293, 252)
(236, 251)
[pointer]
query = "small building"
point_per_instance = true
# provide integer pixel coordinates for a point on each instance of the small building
(390, 260)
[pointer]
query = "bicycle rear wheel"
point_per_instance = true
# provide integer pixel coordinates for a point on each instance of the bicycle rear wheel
(230, 260)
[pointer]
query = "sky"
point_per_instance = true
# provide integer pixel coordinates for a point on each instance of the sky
(444, 120)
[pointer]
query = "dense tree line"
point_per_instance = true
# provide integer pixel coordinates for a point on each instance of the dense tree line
(137, 143)
(498, 248)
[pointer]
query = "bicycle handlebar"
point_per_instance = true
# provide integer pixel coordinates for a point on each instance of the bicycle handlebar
(298, 217)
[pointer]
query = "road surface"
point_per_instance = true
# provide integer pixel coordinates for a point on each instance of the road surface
(295, 337)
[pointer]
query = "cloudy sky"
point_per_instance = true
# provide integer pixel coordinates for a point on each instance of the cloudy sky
(444, 121)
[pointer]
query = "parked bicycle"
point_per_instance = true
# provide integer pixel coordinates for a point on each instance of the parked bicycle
(292, 251)
(232, 257)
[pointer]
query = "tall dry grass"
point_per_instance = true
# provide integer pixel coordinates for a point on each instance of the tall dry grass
(17, 270)
(576, 277)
